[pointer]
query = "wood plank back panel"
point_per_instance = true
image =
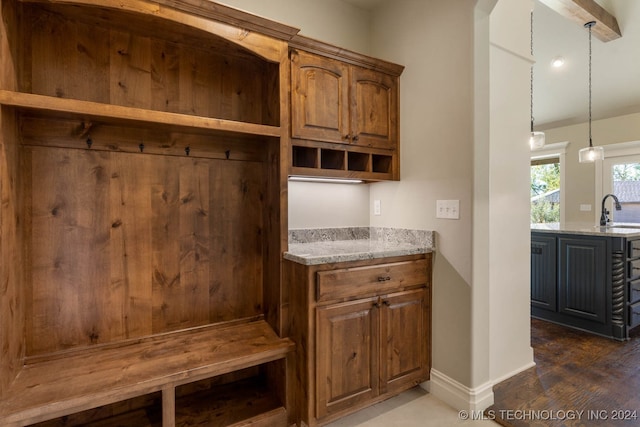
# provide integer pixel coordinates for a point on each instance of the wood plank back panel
(131, 68)
(127, 245)
(236, 225)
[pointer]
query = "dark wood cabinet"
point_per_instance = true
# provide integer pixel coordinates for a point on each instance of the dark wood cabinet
(347, 351)
(319, 98)
(333, 101)
(363, 331)
(344, 113)
(374, 108)
(404, 318)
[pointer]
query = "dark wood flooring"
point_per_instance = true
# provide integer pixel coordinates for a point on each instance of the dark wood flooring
(579, 380)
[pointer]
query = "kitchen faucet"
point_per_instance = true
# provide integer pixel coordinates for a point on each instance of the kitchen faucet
(604, 218)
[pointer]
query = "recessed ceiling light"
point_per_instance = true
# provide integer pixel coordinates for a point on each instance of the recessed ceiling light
(557, 62)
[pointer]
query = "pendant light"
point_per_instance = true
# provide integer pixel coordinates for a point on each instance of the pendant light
(536, 139)
(591, 153)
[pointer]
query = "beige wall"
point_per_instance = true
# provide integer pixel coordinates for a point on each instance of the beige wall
(434, 40)
(580, 177)
(462, 107)
(457, 142)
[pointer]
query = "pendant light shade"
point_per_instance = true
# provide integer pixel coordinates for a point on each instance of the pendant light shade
(536, 139)
(591, 153)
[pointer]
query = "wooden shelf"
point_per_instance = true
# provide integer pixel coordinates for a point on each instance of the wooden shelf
(336, 161)
(77, 382)
(63, 107)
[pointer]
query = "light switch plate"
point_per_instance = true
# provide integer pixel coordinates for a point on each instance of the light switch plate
(377, 208)
(448, 209)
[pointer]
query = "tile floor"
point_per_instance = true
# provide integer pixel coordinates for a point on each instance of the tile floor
(413, 408)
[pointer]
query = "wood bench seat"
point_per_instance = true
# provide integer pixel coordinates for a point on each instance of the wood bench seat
(52, 388)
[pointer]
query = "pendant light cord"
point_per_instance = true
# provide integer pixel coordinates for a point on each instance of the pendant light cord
(531, 90)
(589, 25)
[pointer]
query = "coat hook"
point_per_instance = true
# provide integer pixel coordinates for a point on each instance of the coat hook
(89, 142)
(141, 146)
(227, 154)
(187, 150)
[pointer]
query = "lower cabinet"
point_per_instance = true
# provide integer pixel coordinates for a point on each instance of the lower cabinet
(543, 272)
(364, 333)
(586, 281)
(370, 347)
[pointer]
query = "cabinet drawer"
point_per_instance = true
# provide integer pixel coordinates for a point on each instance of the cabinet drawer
(634, 315)
(633, 249)
(634, 291)
(370, 280)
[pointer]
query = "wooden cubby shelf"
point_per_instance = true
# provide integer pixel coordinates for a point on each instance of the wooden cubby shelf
(329, 160)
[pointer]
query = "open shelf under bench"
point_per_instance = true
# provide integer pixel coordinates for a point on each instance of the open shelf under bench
(58, 386)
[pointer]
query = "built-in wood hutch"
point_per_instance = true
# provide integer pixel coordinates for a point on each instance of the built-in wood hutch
(145, 148)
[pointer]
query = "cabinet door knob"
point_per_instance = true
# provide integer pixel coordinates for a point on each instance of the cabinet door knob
(387, 303)
(355, 138)
(377, 304)
(347, 137)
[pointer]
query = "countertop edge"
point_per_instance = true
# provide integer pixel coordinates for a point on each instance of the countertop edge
(359, 256)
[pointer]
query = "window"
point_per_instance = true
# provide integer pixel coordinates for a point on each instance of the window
(545, 190)
(623, 180)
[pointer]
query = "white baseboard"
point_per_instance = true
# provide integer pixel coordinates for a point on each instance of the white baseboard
(457, 395)
(461, 397)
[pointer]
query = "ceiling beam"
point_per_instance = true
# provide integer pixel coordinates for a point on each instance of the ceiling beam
(583, 11)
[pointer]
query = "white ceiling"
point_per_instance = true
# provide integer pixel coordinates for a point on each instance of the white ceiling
(561, 95)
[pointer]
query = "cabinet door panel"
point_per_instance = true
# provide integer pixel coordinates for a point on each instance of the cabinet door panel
(319, 98)
(374, 108)
(405, 340)
(347, 355)
(582, 287)
(543, 272)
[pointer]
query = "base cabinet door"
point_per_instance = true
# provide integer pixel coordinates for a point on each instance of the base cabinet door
(347, 355)
(582, 285)
(543, 272)
(404, 332)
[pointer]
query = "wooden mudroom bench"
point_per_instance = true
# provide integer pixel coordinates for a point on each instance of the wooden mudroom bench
(58, 386)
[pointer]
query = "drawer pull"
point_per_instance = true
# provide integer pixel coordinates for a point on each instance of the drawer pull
(384, 278)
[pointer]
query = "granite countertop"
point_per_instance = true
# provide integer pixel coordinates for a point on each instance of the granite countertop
(588, 230)
(329, 245)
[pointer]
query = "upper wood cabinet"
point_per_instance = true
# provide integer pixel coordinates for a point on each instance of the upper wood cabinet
(344, 113)
(336, 102)
(319, 97)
